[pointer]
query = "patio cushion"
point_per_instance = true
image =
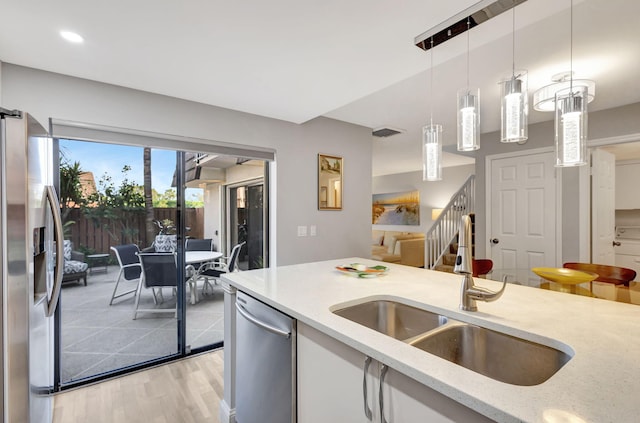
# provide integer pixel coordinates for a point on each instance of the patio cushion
(73, 266)
(165, 243)
(67, 249)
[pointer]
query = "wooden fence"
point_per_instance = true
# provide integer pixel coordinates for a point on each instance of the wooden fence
(98, 238)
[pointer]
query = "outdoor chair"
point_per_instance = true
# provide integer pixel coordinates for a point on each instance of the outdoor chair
(225, 265)
(159, 270)
(195, 244)
(130, 268)
(75, 268)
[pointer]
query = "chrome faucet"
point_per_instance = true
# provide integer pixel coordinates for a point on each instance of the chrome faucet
(469, 292)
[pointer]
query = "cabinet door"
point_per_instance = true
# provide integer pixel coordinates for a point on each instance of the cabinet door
(406, 400)
(330, 380)
(330, 388)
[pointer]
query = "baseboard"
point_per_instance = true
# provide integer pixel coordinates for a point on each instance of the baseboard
(227, 415)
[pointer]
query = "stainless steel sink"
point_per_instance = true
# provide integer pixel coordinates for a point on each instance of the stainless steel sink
(496, 355)
(493, 354)
(392, 318)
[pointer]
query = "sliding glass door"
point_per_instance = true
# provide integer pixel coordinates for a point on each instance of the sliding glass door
(116, 201)
(145, 226)
(246, 222)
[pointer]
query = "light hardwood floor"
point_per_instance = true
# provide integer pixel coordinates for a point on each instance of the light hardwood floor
(186, 391)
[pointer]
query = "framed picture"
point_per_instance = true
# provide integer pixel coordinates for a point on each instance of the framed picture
(396, 208)
(329, 182)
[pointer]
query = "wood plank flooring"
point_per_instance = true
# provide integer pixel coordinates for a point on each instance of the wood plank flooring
(186, 391)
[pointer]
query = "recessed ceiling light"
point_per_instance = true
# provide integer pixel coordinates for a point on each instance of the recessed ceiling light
(72, 37)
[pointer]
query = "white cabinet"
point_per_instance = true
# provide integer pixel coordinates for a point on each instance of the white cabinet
(332, 388)
(330, 379)
(627, 179)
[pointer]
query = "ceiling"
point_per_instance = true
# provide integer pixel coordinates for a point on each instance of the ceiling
(349, 60)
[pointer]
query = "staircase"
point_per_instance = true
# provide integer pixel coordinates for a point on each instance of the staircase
(448, 260)
(441, 238)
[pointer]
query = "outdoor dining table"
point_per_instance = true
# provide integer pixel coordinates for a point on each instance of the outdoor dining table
(197, 258)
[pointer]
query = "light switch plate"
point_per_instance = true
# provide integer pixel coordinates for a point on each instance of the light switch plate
(302, 231)
(312, 230)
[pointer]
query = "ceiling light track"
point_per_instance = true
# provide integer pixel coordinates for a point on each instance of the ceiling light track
(464, 21)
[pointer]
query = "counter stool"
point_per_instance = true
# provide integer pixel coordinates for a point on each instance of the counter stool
(610, 278)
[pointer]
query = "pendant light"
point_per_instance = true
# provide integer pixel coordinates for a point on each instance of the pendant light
(571, 119)
(431, 139)
(514, 108)
(468, 112)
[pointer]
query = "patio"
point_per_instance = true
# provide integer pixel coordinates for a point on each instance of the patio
(97, 338)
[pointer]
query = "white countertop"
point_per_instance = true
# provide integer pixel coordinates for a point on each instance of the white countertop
(601, 383)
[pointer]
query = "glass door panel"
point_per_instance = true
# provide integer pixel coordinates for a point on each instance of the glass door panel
(205, 305)
(255, 226)
(119, 200)
(102, 189)
(246, 219)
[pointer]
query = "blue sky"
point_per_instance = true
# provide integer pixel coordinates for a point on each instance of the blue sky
(111, 158)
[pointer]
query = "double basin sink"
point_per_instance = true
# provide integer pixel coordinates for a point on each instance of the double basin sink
(493, 354)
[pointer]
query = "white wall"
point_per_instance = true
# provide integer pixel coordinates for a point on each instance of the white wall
(45, 95)
(212, 215)
(243, 173)
(432, 194)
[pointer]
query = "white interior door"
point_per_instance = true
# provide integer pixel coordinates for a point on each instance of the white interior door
(522, 212)
(603, 200)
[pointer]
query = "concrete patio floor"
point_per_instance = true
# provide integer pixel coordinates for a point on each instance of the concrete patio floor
(97, 337)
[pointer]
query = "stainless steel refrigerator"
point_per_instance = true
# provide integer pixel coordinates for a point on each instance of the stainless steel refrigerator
(32, 264)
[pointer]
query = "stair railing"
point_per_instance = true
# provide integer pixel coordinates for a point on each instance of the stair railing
(445, 228)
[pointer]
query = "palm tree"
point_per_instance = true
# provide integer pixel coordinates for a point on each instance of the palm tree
(70, 187)
(148, 198)
(70, 192)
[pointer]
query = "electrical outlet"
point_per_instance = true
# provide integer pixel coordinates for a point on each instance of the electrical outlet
(302, 231)
(312, 230)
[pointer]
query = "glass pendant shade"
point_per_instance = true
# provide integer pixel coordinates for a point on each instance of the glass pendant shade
(432, 153)
(514, 111)
(571, 126)
(469, 119)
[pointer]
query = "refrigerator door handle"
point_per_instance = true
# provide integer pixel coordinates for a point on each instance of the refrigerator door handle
(260, 323)
(52, 200)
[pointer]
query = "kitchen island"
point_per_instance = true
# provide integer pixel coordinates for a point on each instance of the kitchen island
(600, 383)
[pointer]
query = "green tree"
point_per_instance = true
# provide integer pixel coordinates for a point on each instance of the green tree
(195, 200)
(114, 208)
(70, 192)
(70, 187)
(165, 200)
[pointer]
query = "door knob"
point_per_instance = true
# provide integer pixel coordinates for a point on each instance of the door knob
(495, 241)
(616, 243)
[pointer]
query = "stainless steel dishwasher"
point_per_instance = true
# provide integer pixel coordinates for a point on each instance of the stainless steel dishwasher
(265, 363)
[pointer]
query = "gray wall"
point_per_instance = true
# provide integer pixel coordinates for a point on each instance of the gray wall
(433, 195)
(602, 124)
(45, 95)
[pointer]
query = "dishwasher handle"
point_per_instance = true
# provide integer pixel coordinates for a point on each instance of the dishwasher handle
(250, 317)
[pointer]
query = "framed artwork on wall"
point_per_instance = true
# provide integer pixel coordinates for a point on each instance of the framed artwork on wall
(396, 208)
(330, 170)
